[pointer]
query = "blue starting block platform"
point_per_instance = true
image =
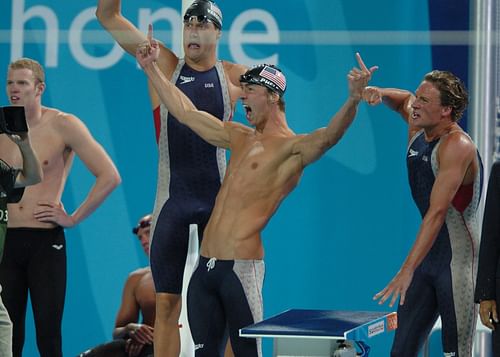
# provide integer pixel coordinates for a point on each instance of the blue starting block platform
(317, 332)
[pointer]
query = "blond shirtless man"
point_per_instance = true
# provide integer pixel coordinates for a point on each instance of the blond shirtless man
(266, 164)
(190, 169)
(35, 255)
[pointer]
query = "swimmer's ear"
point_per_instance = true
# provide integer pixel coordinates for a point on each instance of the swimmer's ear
(40, 88)
(273, 97)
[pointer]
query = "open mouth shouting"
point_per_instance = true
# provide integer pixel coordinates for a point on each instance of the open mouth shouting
(248, 111)
(415, 115)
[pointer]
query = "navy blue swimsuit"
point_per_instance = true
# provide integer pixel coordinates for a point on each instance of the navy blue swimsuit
(190, 173)
(443, 284)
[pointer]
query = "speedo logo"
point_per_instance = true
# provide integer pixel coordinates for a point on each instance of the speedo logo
(198, 346)
(185, 79)
(412, 153)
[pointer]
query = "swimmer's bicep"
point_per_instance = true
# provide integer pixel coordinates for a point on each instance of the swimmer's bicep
(311, 147)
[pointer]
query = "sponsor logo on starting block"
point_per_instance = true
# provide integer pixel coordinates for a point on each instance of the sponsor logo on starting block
(376, 328)
(392, 321)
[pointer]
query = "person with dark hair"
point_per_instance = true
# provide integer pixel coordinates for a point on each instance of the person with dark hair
(34, 261)
(12, 183)
(488, 275)
(267, 161)
(133, 337)
(445, 174)
(190, 170)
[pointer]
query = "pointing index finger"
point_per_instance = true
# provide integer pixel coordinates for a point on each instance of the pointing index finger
(150, 32)
(361, 63)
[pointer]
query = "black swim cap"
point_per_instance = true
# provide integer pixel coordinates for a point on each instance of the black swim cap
(204, 10)
(266, 75)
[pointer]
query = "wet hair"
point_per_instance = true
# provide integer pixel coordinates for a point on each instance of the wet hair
(28, 63)
(281, 101)
(452, 91)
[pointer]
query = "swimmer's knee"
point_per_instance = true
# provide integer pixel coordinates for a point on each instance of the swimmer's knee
(168, 305)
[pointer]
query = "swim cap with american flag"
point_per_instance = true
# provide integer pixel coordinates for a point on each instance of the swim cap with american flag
(266, 75)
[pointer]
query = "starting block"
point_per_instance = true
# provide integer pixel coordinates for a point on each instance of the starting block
(320, 332)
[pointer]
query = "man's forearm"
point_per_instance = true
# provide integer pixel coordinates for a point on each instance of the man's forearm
(429, 229)
(314, 145)
(103, 186)
(106, 9)
(122, 332)
(398, 100)
(123, 31)
(178, 103)
(32, 171)
(341, 121)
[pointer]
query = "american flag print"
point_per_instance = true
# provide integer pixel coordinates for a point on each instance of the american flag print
(274, 76)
